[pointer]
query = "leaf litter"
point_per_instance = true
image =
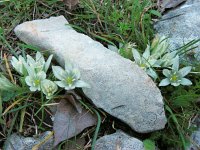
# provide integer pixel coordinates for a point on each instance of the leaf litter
(69, 122)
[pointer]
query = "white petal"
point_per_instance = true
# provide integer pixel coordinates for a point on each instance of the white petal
(146, 53)
(30, 60)
(61, 84)
(184, 71)
(42, 75)
(81, 84)
(175, 84)
(175, 65)
(68, 66)
(21, 59)
(166, 72)
(29, 69)
(70, 87)
(47, 64)
(152, 62)
(152, 73)
(164, 82)
(33, 89)
(136, 55)
(185, 81)
(14, 61)
(29, 80)
(39, 57)
(15, 64)
(58, 72)
(77, 73)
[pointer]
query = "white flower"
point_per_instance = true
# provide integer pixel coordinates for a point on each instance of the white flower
(18, 65)
(175, 76)
(160, 50)
(146, 62)
(34, 80)
(159, 46)
(168, 59)
(69, 78)
(39, 63)
(48, 88)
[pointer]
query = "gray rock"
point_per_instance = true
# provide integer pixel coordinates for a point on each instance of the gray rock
(118, 85)
(195, 144)
(17, 142)
(118, 141)
(188, 2)
(181, 25)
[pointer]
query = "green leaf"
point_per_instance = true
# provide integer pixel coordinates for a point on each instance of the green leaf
(1, 109)
(28, 46)
(185, 100)
(156, 13)
(149, 144)
(2, 121)
(7, 96)
(1, 30)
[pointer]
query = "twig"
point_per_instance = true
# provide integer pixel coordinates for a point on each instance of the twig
(33, 119)
(23, 112)
(142, 16)
(95, 11)
(36, 147)
(8, 69)
(11, 106)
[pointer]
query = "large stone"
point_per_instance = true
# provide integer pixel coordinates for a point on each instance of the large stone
(181, 25)
(18, 142)
(195, 141)
(118, 85)
(118, 141)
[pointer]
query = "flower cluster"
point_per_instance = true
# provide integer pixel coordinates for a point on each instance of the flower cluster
(175, 76)
(35, 73)
(156, 56)
(69, 78)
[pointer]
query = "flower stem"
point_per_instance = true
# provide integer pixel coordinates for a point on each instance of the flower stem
(42, 108)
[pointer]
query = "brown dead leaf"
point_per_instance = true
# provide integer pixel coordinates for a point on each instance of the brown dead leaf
(73, 98)
(167, 4)
(68, 122)
(74, 102)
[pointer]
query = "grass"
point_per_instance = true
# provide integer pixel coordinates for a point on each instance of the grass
(110, 22)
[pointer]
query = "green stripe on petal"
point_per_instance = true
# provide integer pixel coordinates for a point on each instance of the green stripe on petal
(136, 56)
(164, 82)
(47, 64)
(185, 81)
(184, 71)
(81, 84)
(59, 72)
(175, 65)
(167, 73)
(146, 53)
(61, 84)
(28, 80)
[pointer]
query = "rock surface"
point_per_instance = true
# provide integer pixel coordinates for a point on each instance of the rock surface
(17, 142)
(118, 86)
(195, 140)
(181, 25)
(118, 141)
